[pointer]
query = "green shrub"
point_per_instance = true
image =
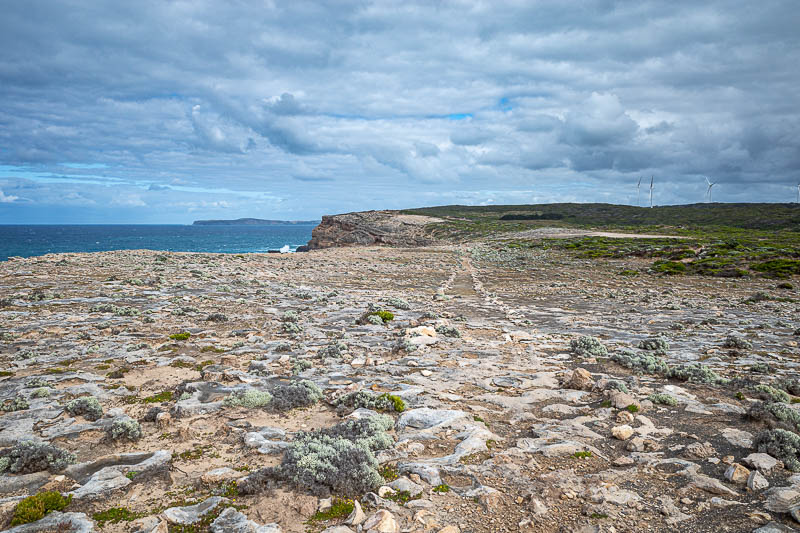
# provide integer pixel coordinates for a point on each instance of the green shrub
(779, 411)
(301, 393)
(696, 373)
(778, 268)
(116, 515)
(180, 336)
(772, 394)
(88, 407)
(334, 350)
(251, 399)
(399, 303)
(641, 362)
(34, 507)
(27, 457)
(338, 459)
(448, 331)
(655, 344)
(340, 508)
(669, 267)
(367, 400)
(124, 429)
(663, 399)
(161, 397)
(780, 444)
(300, 365)
(587, 346)
(18, 403)
(732, 341)
(385, 316)
(292, 328)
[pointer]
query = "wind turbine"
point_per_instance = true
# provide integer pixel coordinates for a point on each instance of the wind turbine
(651, 191)
(708, 191)
(798, 193)
(638, 195)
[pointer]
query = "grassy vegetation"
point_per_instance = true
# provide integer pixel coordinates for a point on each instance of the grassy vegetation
(340, 508)
(746, 216)
(724, 240)
(34, 507)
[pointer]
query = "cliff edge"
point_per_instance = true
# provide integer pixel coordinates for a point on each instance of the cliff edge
(367, 228)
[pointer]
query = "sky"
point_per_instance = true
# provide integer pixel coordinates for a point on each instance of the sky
(161, 111)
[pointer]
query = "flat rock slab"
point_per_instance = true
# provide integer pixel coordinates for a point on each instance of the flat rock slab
(232, 521)
(192, 513)
(426, 419)
(113, 470)
(79, 523)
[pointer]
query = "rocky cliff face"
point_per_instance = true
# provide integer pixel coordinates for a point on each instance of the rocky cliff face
(369, 228)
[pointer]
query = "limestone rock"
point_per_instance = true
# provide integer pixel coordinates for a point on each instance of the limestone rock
(580, 379)
(736, 473)
(356, 517)
(233, 521)
(369, 228)
(192, 513)
(762, 462)
(220, 474)
(622, 432)
(382, 522)
(78, 521)
(755, 481)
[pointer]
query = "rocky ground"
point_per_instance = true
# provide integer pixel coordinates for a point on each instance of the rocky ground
(527, 391)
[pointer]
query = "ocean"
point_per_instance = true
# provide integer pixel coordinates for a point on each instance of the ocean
(33, 240)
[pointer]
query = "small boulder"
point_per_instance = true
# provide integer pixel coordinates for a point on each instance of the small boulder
(580, 379)
(622, 432)
(762, 462)
(756, 482)
(382, 522)
(736, 473)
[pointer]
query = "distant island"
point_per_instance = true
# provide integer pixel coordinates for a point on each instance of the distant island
(251, 222)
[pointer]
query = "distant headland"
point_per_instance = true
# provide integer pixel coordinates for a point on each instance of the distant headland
(251, 222)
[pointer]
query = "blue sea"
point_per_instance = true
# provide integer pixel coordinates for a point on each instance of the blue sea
(32, 240)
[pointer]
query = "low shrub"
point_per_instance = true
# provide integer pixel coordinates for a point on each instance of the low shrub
(587, 346)
(366, 400)
(663, 399)
(696, 373)
(448, 331)
(655, 344)
(35, 507)
(641, 362)
(124, 429)
(27, 457)
(780, 444)
(338, 459)
(250, 399)
(18, 403)
(738, 343)
(301, 393)
(88, 407)
(772, 394)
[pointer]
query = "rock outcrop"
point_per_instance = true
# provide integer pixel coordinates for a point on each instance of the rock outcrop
(369, 228)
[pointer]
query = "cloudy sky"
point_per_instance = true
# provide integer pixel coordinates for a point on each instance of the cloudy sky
(169, 111)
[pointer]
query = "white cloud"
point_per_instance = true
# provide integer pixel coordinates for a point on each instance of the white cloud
(7, 199)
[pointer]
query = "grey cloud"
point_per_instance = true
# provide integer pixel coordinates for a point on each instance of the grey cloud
(260, 96)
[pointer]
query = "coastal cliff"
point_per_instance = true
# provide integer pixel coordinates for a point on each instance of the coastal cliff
(367, 228)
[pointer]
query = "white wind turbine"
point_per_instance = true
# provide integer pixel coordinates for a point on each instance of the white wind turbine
(708, 191)
(651, 191)
(798, 193)
(638, 195)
